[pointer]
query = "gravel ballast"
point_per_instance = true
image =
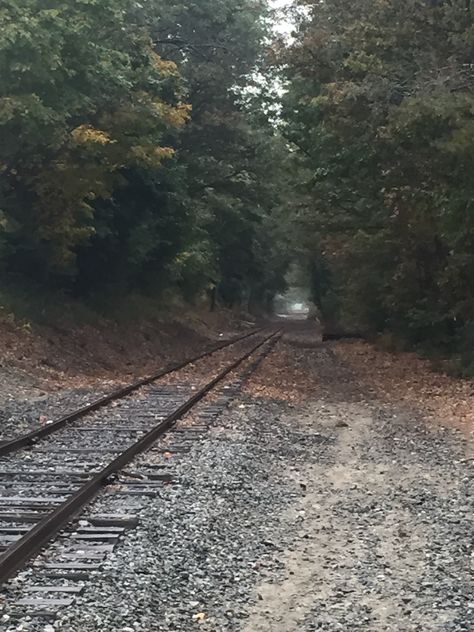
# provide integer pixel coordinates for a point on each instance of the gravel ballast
(330, 511)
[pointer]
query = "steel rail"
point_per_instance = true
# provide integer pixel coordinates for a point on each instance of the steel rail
(30, 438)
(21, 551)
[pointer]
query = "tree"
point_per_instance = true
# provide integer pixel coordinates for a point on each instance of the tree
(229, 149)
(379, 105)
(87, 96)
(147, 158)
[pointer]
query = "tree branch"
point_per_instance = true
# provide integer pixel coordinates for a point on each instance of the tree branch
(181, 43)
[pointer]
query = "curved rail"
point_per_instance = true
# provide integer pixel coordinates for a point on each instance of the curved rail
(22, 550)
(30, 438)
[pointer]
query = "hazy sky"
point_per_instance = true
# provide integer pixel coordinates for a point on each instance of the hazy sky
(281, 3)
(283, 26)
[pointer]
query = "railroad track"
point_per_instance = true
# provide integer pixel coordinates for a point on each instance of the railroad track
(87, 451)
(30, 438)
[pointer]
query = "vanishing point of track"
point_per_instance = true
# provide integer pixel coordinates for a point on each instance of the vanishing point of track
(69, 496)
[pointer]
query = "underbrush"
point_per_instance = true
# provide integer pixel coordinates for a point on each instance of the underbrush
(452, 355)
(27, 305)
(455, 357)
(108, 322)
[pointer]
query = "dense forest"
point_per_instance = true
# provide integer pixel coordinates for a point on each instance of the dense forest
(135, 149)
(380, 104)
(181, 146)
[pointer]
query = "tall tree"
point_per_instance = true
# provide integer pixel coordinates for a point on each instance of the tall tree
(380, 106)
(229, 148)
(137, 152)
(83, 96)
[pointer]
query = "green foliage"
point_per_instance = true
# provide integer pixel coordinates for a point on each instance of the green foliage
(133, 156)
(380, 104)
(82, 97)
(231, 153)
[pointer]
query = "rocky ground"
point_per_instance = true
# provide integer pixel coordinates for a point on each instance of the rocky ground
(319, 501)
(385, 526)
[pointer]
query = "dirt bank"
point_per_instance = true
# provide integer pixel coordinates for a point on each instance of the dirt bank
(46, 371)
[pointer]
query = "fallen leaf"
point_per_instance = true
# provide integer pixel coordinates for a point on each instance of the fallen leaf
(200, 616)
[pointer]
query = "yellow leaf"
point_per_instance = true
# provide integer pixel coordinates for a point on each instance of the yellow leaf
(166, 68)
(88, 134)
(200, 616)
(176, 115)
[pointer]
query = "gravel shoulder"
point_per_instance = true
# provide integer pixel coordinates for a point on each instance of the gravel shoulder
(312, 504)
(385, 533)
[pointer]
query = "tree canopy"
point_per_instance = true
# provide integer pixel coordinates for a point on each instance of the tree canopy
(380, 107)
(131, 155)
(181, 146)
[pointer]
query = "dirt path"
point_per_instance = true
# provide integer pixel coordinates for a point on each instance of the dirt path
(383, 534)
